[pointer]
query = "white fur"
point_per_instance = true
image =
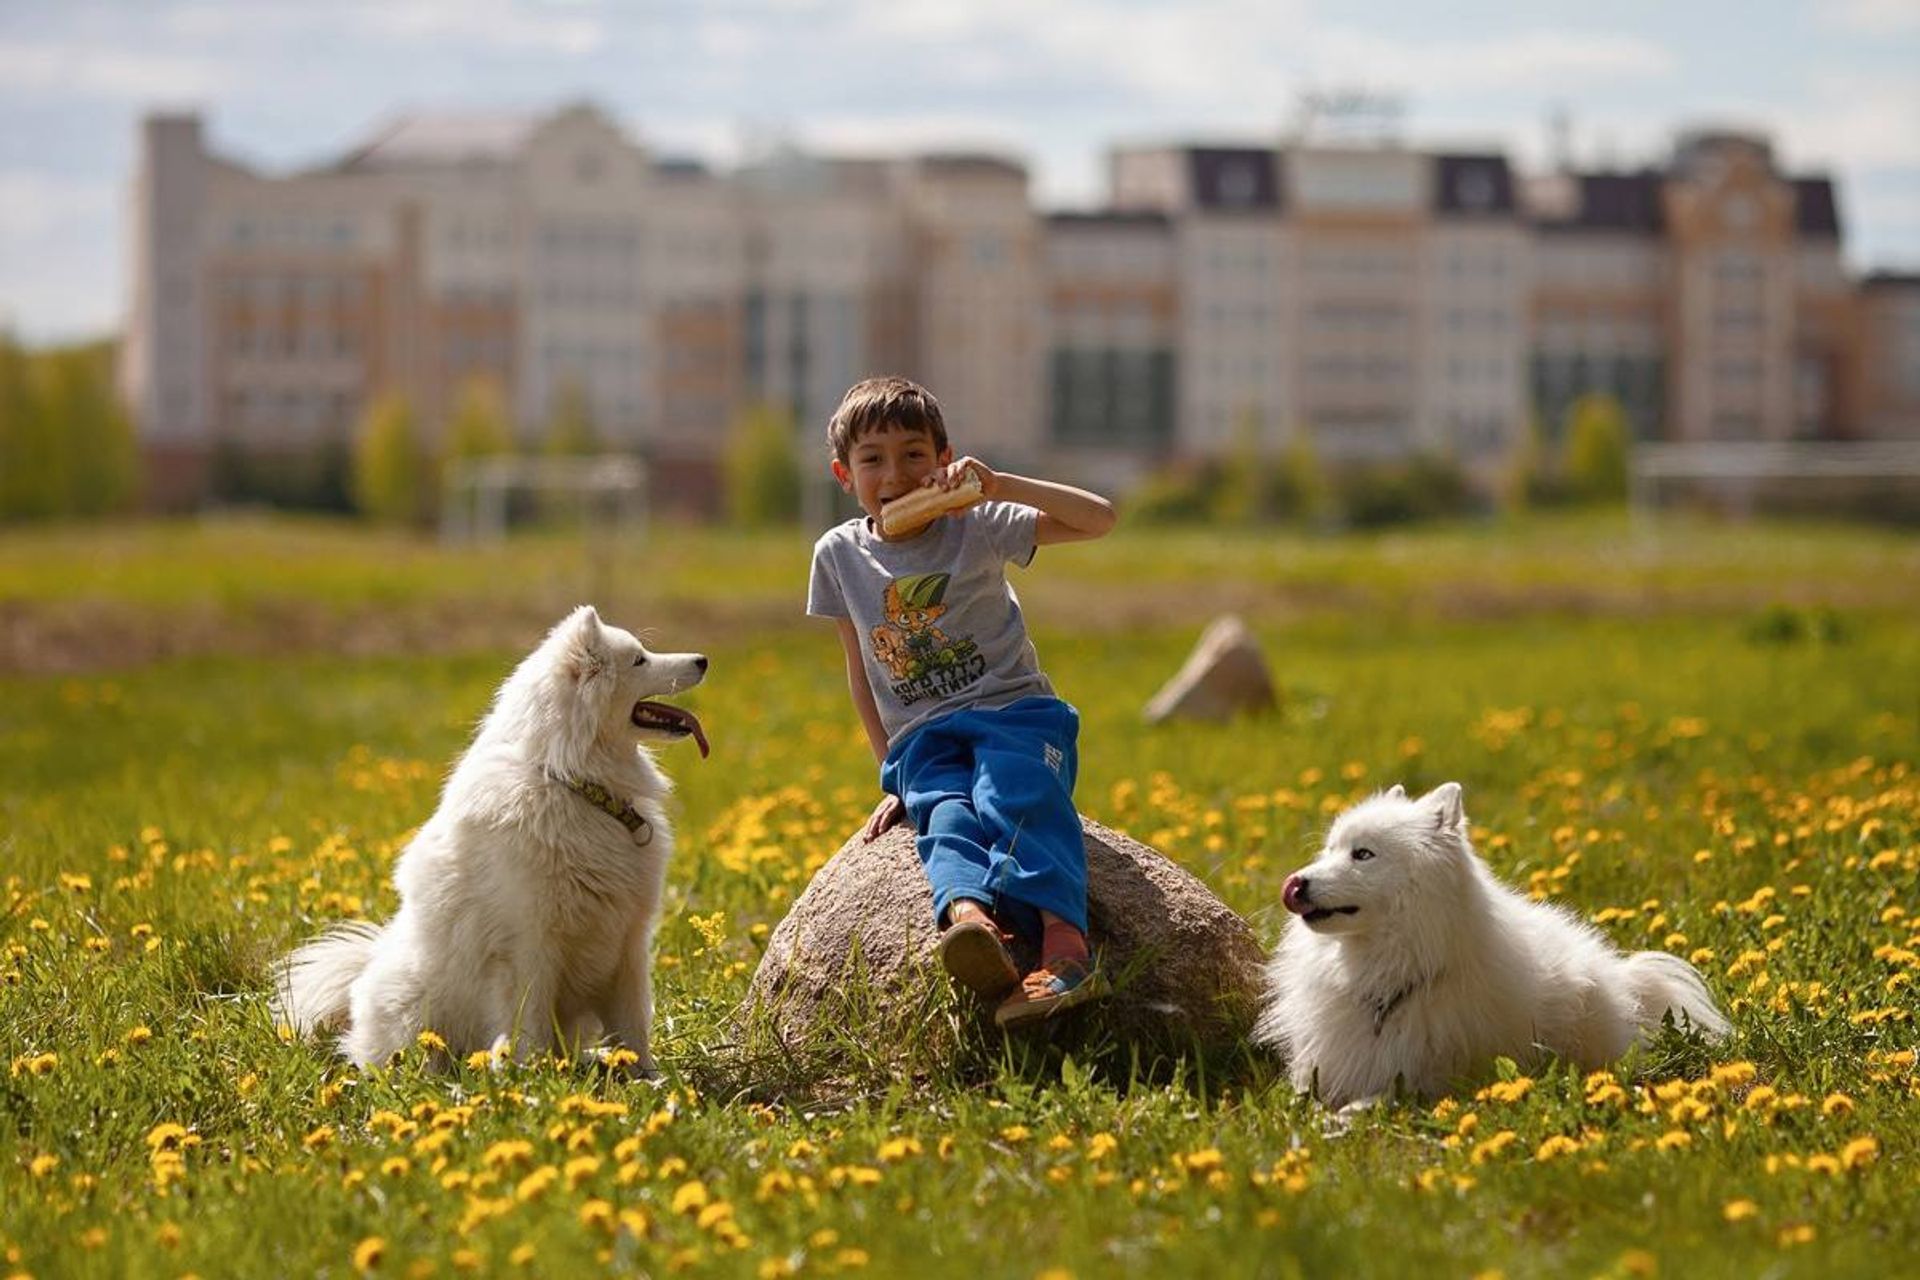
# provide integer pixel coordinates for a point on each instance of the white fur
(526, 912)
(1479, 971)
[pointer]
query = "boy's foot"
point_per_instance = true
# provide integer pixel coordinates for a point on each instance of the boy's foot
(973, 954)
(1049, 990)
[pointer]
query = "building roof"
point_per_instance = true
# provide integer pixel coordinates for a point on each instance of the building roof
(1473, 186)
(1814, 213)
(1628, 203)
(443, 139)
(1116, 219)
(1234, 178)
(963, 164)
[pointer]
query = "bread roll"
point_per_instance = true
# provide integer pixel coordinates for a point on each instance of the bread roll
(913, 511)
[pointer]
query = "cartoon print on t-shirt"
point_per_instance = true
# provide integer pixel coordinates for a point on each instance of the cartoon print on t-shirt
(920, 656)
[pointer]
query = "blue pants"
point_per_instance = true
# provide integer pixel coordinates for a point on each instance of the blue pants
(990, 795)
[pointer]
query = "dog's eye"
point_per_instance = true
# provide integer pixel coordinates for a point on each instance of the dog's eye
(1361, 855)
(639, 659)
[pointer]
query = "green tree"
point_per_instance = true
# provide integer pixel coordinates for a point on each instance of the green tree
(570, 429)
(762, 469)
(389, 468)
(1596, 451)
(1238, 497)
(479, 427)
(93, 437)
(24, 439)
(1297, 487)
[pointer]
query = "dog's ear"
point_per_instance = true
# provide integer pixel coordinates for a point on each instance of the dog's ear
(584, 653)
(1396, 792)
(1444, 800)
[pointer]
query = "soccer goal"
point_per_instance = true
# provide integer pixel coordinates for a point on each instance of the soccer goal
(606, 493)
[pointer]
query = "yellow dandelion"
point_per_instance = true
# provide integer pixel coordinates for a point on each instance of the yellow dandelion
(691, 1196)
(895, 1149)
(1673, 1140)
(1558, 1145)
(1860, 1153)
(535, 1184)
(139, 1036)
(431, 1041)
(42, 1165)
(1102, 1145)
(1015, 1133)
(1739, 1210)
(367, 1254)
(1836, 1104)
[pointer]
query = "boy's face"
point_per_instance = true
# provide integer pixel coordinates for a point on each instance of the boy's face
(886, 463)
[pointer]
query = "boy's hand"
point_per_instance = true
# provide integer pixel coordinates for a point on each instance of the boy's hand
(957, 470)
(887, 813)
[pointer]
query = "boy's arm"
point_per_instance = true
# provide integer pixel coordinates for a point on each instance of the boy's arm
(890, 809)
(1067, 514)
(862, 692)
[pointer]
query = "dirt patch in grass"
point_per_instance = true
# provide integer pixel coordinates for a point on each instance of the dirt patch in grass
(79, 636)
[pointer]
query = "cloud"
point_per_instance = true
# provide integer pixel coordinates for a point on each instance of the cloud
(504, 24)
(32, 204)
(68, 69)
(1872, 17)
(1563, 61)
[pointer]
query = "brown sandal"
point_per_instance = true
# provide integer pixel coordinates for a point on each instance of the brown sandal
(1044, 993)
(973, 954)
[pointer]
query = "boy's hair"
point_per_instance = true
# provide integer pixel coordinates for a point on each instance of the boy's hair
(876, 404)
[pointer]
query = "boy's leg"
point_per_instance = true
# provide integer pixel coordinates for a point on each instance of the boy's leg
(1025, 762)
(932, 773)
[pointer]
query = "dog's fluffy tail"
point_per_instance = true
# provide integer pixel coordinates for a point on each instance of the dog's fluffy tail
(311, 985)
(1662, 982)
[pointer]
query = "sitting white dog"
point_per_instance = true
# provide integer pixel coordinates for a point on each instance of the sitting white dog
(1408, 962)
(528, 901)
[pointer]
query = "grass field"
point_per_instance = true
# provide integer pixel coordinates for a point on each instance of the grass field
(214, 738)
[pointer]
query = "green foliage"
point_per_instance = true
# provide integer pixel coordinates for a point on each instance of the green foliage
(67, 448)
(391, 480)
(570, 430)
(1423, 488)
(762, 469)
(1598, 438)
(480, 426)
(1294, 489)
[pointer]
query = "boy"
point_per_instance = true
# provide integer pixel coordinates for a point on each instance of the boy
(974, 748)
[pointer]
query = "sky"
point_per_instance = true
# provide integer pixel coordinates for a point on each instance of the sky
(284, 84)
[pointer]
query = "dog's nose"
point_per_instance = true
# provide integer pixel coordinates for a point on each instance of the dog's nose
(1293, 894)
(700, 661)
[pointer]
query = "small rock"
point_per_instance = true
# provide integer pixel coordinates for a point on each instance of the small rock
(1226, 674)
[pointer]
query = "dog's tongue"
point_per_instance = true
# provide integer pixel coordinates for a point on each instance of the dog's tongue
(658, 715)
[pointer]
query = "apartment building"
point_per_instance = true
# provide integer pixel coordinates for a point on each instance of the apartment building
(1889, 345)
(1375, 300)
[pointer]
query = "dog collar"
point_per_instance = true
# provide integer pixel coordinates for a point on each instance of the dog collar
(601, 798)
(1383, 1009)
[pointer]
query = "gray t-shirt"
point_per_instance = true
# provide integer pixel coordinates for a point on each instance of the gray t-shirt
(939, 625)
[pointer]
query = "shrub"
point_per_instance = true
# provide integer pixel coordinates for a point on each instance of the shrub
(389, 468)
(1595, 466)
(762, 469)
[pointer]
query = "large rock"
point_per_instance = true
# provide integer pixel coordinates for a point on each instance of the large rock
(854, 957)
(1225, 675)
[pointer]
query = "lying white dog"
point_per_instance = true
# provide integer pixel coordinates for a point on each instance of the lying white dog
(1408, 961)
(528, 901)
